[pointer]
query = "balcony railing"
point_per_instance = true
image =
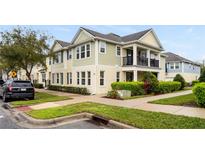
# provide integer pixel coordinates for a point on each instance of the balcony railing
(154, 63)
(127, 60)
(142, 61)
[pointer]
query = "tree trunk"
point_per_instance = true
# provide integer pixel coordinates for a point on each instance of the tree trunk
(28, 75)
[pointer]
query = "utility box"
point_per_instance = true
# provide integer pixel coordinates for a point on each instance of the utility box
(124, 93)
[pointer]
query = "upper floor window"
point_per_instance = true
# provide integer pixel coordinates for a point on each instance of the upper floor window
(77, 53)
(61, 55)
(102, 47)
(69, 54)
(118, 51)
(82, 51)
(88, 50)
(49, 61)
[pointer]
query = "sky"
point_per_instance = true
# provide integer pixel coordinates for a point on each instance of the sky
(187, 40)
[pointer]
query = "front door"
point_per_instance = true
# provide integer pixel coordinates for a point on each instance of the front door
(129, 76)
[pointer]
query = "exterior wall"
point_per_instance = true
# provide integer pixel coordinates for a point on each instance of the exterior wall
(189, 77)
(190, 68)
(110, 58)
(150, 39)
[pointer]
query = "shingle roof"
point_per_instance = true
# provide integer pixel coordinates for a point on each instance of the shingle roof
(63, 43)
(117, 38)
(174, 57)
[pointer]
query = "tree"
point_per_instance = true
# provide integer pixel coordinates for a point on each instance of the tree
(202, 76)
(23, 48)
(180, 79)
(150, 82)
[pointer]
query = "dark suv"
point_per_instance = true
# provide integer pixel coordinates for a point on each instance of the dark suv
(17, 89)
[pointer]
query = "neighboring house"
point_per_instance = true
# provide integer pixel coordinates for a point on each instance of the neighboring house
(176, 64)
(95, 60)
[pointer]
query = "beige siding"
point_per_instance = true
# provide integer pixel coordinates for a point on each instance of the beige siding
(150, 40)
(82, 37)
(109, 58)
(57, 47)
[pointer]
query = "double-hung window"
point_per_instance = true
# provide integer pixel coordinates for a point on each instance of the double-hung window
(177, 66)
(53, 78)
(171, 66)
(43, 77)
(69, 55)
(82, 78)
(49, 61)
(102, 78)
(89, 77)
(57, 78)
(102, 47)
(117, 76)
(87, 50)
(61, 78)
(61, 56)
(69, 78)
(82, 51)
(78, 78)
(77, 53)
(118, 51)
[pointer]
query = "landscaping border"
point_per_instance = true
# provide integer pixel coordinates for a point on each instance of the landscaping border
(109, 122)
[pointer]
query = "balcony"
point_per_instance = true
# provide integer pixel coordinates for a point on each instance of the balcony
(154, 63)
(127, 61)
(142, 61)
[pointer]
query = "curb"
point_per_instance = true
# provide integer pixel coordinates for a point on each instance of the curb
(111, 123)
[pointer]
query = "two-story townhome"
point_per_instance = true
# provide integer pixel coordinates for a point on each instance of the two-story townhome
(95, 60)
(176, 64)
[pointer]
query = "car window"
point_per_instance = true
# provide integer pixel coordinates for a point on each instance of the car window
(21, 84)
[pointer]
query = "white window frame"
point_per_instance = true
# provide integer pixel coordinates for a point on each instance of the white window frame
(117, 77)
(117, 46)
(86, 50)
(102, 78)
(100, 44)
(78, 53)
(53, 78)
(57, 78)
(78, 78)
(178, 65)
(170, 64)
(88, 78)
(69, 54)
(61, 78)
(71, 78)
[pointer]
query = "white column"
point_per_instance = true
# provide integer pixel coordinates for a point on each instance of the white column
(94, 75)
(148, 56)
(182, 67)
(134, 54)
(135, 75)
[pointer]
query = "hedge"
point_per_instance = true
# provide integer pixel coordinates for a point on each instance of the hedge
(167, 87)
(76, 90)
(38, 85)
(199, 92)
(136, 88)
(195, 82)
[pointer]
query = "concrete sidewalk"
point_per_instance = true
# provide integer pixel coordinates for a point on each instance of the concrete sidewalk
(139, 103)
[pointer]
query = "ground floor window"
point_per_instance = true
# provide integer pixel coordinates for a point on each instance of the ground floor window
(89, 77)
(78, 78)
(61, 74)
(57, 78)
(43, 77)
(53, 78)
(69, 78)
(117, 76)
(83, 78)
(102, 74)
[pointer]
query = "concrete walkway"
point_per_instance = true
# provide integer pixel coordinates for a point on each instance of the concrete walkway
(139, 103)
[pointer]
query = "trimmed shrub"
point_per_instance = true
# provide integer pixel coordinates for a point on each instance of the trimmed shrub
(195, 82)
(76, 90)
(38, 85)
(150, 82)
(199, 92)
(167, 87)
(113, 94)
(180, 79)
(136, 88)
(202, 76)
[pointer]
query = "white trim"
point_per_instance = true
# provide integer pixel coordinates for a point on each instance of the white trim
(100, 42)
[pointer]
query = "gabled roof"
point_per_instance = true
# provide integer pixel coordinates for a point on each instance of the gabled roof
(171, 57)
(117, 38)
(63, 43)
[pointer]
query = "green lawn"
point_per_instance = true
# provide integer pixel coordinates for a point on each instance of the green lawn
(185, 100)
(40, 97)
(134, 117)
